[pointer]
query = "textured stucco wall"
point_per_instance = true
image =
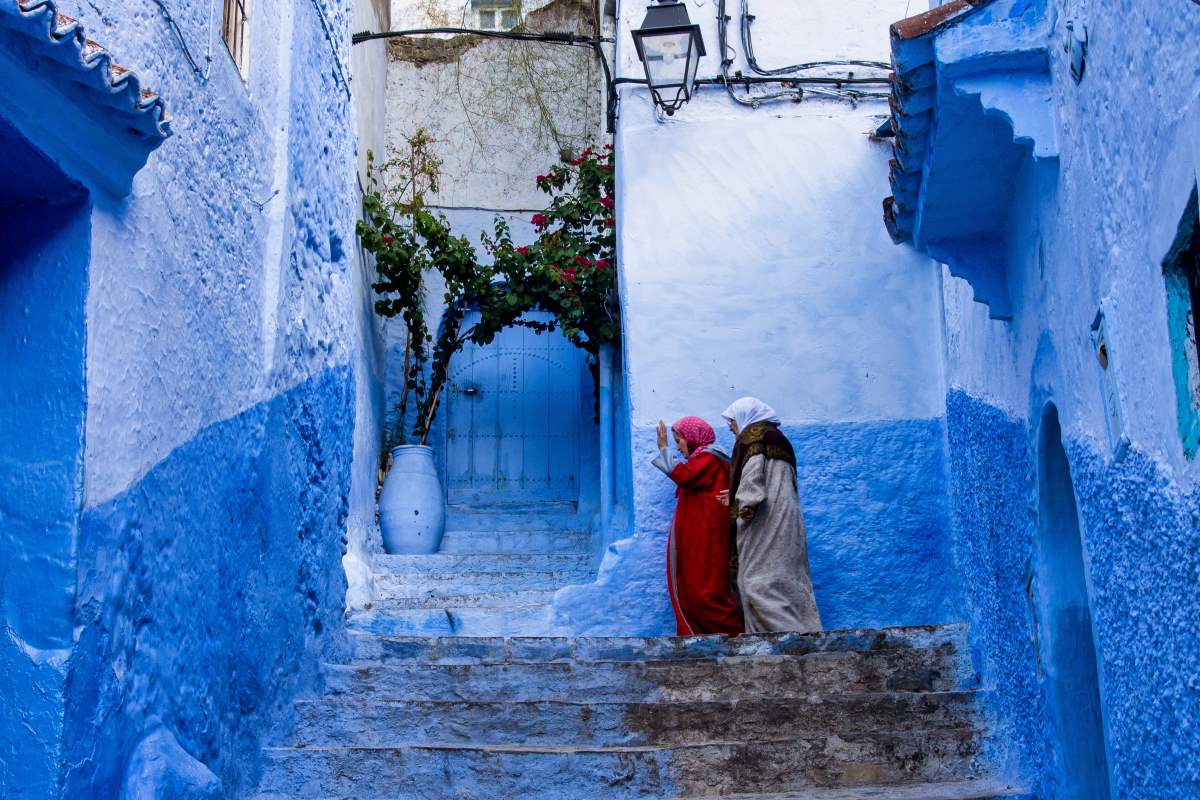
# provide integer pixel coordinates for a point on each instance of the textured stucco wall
(43, 284)
(753, 262)
(1084, 234)
(220, 319)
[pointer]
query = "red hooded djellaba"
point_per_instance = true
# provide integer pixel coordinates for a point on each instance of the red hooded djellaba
(698, 550)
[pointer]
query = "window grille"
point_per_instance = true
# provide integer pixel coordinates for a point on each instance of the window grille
(235, 25)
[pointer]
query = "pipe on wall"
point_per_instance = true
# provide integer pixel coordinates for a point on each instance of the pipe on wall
(606, 436)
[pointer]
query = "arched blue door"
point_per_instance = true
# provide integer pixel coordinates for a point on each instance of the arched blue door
(513, 418)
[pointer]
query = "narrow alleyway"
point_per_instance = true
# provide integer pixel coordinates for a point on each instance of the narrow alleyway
(454, 693)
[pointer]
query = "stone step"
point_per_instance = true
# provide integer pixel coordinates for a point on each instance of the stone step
(520, 541)
(437, 599)
(515, 517)
(574, 773)
(727, 679)
(347, 722)
(525, 620)
(981, 789)
(388, 585)
(501, 650)
(456, 564)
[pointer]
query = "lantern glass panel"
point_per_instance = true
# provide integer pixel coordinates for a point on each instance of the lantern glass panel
(668, 58)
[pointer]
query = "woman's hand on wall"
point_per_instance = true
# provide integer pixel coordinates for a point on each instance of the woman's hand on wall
(662, 434)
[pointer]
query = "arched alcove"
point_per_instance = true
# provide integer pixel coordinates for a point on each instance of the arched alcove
(1068, 652)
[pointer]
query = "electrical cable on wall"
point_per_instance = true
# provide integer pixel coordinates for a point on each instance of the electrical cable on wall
(187, 53)
(798, 85)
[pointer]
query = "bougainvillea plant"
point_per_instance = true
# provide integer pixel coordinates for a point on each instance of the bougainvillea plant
(569, 270)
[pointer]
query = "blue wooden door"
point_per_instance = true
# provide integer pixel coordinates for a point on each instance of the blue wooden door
(513, 418)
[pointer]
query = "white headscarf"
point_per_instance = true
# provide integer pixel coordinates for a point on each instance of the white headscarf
(749, 410)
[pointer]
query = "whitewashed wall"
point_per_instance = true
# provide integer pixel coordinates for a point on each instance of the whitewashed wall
(754, 260)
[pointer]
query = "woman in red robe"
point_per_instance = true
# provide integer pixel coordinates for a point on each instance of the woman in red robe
(698, 550)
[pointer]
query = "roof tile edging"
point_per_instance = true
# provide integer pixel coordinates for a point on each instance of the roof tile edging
(94, 61)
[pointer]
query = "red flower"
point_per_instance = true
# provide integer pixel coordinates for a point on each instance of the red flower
(607, 202)
(388, 240)
(583, 262)
(541, 179)
(608, 147)
(540, 221)
(587, 152)
(606, 167)
(610, 223)
(569, 275)
(577, 161)
(602, 263)
(523, 251)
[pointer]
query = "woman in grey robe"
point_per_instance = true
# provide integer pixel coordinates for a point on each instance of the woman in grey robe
(773, 574)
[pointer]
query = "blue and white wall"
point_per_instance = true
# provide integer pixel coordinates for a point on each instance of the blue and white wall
(223, 346)
(753, 262)
(1084, 235)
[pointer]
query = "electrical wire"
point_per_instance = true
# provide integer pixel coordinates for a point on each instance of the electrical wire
(799, 85)
(337, 59)
(748, 50)
(549, 37)
(187, 53)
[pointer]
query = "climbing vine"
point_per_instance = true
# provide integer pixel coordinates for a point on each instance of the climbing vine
(568, 270)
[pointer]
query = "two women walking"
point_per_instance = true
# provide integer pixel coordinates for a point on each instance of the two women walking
(737, 558)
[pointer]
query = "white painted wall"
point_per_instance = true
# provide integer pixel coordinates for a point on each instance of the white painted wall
(484, 120)
(753, 254)
(369, 65)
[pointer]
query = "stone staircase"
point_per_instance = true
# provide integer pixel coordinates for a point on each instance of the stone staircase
(495, 575)
(423, 711)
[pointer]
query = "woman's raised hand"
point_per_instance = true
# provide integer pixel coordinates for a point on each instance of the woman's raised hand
(723, 497)
(662, 434)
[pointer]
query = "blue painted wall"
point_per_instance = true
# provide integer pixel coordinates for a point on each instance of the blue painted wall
(874, 497)
(43, 286)
(211, 580)
(1086, 232)
(752, 262)
(223, 358)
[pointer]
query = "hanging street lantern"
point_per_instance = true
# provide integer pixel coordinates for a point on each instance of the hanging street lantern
(670, 48)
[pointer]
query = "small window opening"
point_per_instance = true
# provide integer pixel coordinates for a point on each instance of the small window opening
(497, 15)
(1181, 270)
(235, 27)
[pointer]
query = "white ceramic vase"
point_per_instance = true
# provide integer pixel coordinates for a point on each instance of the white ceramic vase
(412, 507)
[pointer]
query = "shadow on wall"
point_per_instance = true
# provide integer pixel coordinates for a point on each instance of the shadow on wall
(44, 243)
(1067, 649)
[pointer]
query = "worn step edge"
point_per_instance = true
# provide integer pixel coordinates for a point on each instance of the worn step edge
(541, 649)
(436, 600)
(456, 563)
(347, 721)
(650, 680)
(984, 789)
(714, 767)
(507, 620)
(957, 790)
(519, 749)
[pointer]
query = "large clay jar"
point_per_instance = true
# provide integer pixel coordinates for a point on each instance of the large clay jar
(412, 508)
